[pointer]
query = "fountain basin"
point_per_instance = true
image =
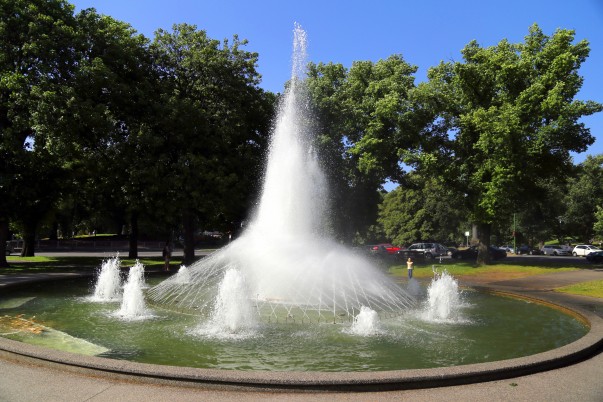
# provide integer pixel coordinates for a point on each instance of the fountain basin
(578, 350)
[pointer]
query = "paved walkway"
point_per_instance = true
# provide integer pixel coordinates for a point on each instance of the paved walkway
(579, 382)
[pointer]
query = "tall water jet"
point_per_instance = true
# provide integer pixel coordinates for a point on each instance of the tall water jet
(108, 282)
(292, 269)
(133, 305)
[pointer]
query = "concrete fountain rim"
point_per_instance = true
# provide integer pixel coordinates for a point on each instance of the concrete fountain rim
(292, 381)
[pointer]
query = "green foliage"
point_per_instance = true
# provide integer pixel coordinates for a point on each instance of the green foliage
(360, 114)
(100, 124)
(36, 63)
(511, 118)
(598, 225)
(212, 127)
(584, 199)
(424, 209)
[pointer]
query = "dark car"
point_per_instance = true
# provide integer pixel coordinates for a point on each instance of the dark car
(471, 253)
(527, 250)
(595, 257)
(9, 247)
(424, 250)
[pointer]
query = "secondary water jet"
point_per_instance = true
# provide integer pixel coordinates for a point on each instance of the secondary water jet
(133, 305)
(108, 282)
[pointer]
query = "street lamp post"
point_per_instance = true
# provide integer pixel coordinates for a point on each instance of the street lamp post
(467, 235)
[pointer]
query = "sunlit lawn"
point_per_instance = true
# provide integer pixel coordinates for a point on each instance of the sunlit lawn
(592, 288)
(424, 270)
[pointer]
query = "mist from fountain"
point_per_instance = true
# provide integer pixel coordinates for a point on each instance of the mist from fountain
(293, 270)
(108, 282)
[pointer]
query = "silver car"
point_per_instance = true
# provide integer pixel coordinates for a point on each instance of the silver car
(554, 249)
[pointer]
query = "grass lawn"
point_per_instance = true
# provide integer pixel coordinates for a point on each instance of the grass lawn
(425, 270)
(592, 289)
(503, 271)
(75, 264)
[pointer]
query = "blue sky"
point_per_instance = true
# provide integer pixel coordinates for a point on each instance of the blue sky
(424, 32)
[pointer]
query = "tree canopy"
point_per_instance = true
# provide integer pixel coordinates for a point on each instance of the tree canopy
(504, 120)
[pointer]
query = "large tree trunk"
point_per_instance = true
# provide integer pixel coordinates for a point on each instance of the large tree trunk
(54, 231)
(29, 239)
(3, 239)
(133, 248)
(188, 223)
(483, 234)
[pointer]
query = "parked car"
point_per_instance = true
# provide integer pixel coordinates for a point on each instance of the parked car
(384, 248)
(527, 250)
(9, 247)
(471, 253)
(424, 250)
(582, 250)
(451, 250)
(595, 257)
(508, 249)
(554, 249)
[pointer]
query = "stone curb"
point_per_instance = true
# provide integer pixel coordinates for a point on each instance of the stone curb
(579, 350)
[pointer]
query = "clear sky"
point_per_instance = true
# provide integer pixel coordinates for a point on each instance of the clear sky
(424, 32)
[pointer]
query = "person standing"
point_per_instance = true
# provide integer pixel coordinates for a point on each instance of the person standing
(167, 254)
(409, 266)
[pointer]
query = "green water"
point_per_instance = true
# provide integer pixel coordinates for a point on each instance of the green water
(492, 328)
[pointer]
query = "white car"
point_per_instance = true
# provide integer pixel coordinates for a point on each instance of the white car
(583, 250)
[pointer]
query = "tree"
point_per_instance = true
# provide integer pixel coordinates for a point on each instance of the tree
(424, 209)
(360, 113)
(503, 121)
(584, 198)
(213, 126)
(598, 225)
(36, 61)
(105, 108)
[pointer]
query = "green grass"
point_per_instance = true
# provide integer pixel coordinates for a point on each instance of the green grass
(592, 289)
(425, 270)
(74, 264)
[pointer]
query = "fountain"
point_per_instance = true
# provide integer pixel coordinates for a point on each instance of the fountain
(108, 283)
(286, 297)
(133, 305)
(292, 269)
(366, 323)
(183, 277)
(443, 302)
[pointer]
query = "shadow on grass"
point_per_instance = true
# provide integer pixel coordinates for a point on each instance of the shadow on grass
(74, 264)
